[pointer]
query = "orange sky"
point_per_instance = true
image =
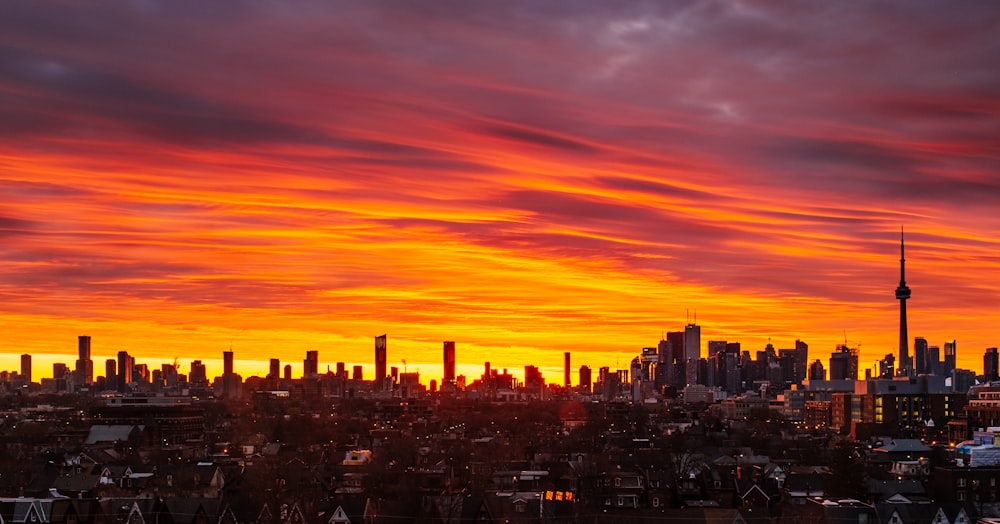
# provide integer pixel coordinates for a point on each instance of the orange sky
(522, 179)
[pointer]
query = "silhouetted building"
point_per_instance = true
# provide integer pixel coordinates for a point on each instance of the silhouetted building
(84, 365)
(566, 370)
(991, 363)
(676, 340)
(227, 362)
(816, 371)
(586, 384)
(902, 294)
(198, 375)
(381, 355)
(692, 342)
(111, 374)
(449, 363)
(125, 364)
(920, 363)
(310, 366)
(844, 363)
(26, 368)
(358, 373)
(950, 352)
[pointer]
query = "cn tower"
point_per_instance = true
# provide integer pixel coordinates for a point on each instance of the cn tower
(903, 293)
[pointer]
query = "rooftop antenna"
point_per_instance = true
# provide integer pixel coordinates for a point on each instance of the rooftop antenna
(687, 316)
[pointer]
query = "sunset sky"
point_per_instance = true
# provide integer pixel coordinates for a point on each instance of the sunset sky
(524, 178)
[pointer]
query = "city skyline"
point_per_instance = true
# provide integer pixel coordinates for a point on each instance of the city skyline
(521, 179)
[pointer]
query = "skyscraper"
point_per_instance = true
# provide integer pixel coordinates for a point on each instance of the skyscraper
(125, 365)
(84, 365)
(380, 362)
(902, 294)
(991, 365)
(310, 366)
(449, 363)
(26, 368)
(111, 374)
(950, 355)
(227, 363)
(692, 342)
(566, 370)
(920, 365)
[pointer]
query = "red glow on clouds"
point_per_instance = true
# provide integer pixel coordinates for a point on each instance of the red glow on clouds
(523, 180)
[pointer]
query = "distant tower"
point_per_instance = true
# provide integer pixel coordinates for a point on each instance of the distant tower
(227, 362)
(903, 293)
(310, 366)
(380, 362)
(26, 368)
(449, 363)
(566, 370)
(84, 365)
(991, 365)
(692, 341)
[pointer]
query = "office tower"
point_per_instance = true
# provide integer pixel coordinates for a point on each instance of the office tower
(716, 346)
(950, 352)
(991, 365)
(358, 374)
(111, 374)
(886, 366)
(310, 366)
(198, 375)
(227, 363)
(801, 360)
(380, 362)
(934, 366)
(59, 370)
(816, 371)
(287, 375)
(844, 364)
(902, 294)
(341, 370)
(449, 363)
(676, 341)
(84, 365)
(125, 365)
(586, 379)
(920, 366)
(274, 369)
(692, 342)
(566, 370)
(26, 368)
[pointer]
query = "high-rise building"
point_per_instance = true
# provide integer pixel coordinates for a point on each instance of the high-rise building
(676, 340)
(26, 368)
(111, 374)
(816, 371)
(991, 365)
(934, 365)
(692, 342)
(274, 369)
(125, 365)
(198, 375)
(716, 346)
(310, 366)
(585, 379)
(920, 366)
(902, 294)
(449, 363)
(380, 362)
(950, 355)
(358, 373)
(84, 365)
(227, 363)
(566, 370)
(844, 363)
